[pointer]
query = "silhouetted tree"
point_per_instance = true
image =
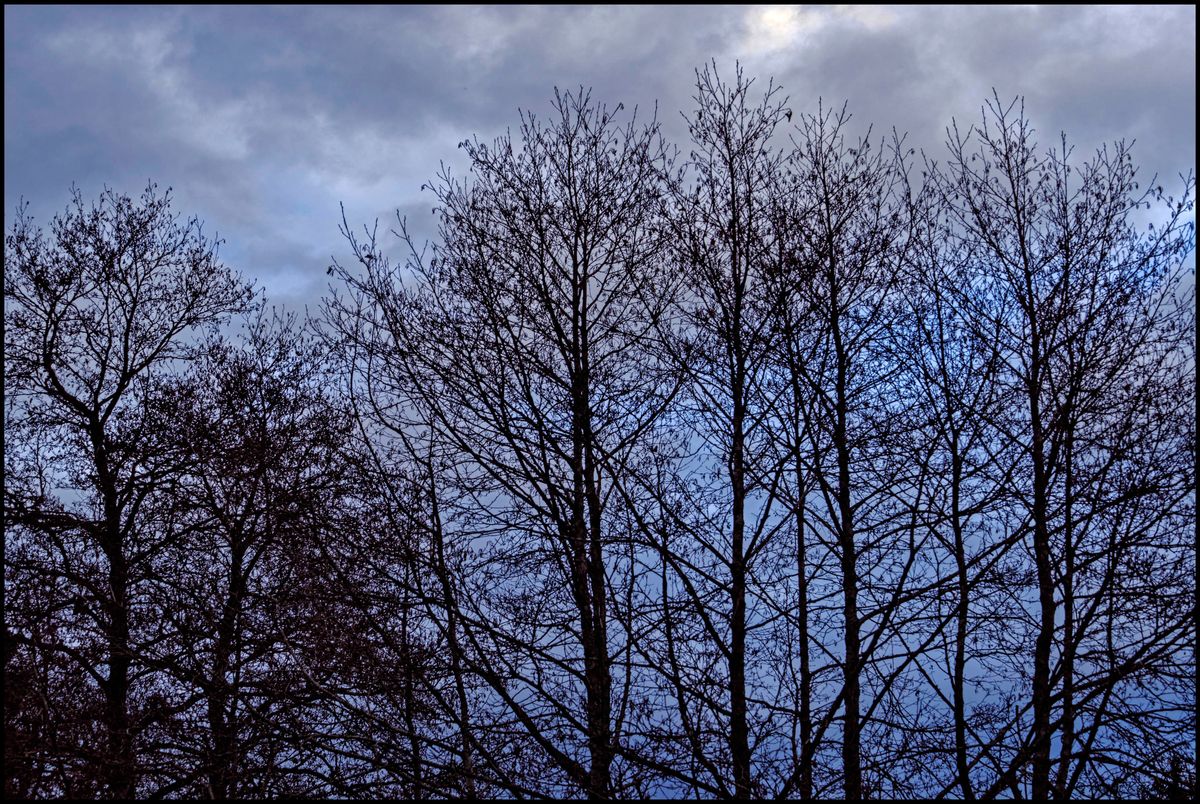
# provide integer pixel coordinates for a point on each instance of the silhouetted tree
(95, 310)
(521, 346)
(841, 277)
(724, 247)
(770, 471)
(1093, 326)
(255, 446)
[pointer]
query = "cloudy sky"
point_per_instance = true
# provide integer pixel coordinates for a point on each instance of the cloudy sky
(263, 120)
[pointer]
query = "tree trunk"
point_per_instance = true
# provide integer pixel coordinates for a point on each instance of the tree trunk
(1068, 692)
(222, 763)
(119, 768)
(1040, 788)
(589, 557)
(738, 737)
(456, 668)
(851, 749)
(960, 635)
(806, 746)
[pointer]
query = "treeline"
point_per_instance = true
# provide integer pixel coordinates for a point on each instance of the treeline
(781, 464)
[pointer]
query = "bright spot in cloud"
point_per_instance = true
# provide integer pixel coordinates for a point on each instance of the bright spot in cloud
(772, 28)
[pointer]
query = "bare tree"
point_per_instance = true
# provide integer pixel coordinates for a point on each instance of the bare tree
(724, 247)
(1093, 334)
(95, 310)
(524, 345)
(255, 450)
(767, 472)
(842, 273)
(952, 354)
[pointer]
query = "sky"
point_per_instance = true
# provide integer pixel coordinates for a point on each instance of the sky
(264, 120)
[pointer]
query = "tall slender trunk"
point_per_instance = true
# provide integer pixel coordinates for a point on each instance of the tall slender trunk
(804, 787)
(460, 691)
(602, 726)
(960, 635)
(738, 736)
(118, 768)
(739, 740)
(806, 746)
(1045, 580)
(589, 578)
(222, 763)
(1068, 692)
(851, 748)
(416, 770)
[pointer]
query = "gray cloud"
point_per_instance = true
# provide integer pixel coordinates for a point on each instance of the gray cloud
(264, 119)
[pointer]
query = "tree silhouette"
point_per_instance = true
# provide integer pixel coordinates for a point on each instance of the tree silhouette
(95, 310)
(767, 468)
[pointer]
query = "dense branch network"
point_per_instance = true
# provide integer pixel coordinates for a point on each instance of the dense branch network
(786, 463)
